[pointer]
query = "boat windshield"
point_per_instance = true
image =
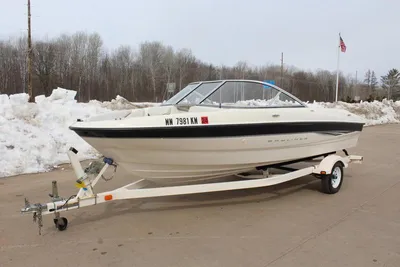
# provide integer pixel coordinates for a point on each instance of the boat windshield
(173, 100)
(235, 94)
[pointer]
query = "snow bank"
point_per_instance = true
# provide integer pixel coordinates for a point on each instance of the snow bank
(375, 112)
(120, 103)
(263, 103)
(34, 137)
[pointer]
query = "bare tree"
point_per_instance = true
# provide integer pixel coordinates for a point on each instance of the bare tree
(63, 59)
(80, 62)
(184, 60)
(325, 81)
(367, 77)
(92, 60)
(9, 68)
(371, 81)
(122, 69)
(21, 61)
(44, 64)
(79, 42)
(151, 56)
(241, 68)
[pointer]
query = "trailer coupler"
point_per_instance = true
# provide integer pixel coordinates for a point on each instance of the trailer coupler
(86, 179)
(37, 209)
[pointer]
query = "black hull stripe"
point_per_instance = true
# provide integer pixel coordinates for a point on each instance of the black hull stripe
(210, 131)
(335, 132)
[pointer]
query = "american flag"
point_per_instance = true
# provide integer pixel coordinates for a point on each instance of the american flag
(342, 45)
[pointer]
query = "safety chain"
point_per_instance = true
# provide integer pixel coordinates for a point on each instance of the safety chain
(37, 216)
(112, 176)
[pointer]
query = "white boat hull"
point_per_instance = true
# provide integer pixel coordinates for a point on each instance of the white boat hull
(193, 142)
(176, 160)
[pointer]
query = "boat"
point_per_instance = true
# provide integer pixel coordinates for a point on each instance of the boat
(217, 128)
(209, 129)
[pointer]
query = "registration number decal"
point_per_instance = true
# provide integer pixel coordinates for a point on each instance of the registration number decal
(186, 121)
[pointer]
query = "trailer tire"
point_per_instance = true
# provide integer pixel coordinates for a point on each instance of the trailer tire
(331, 183)
(61, 223)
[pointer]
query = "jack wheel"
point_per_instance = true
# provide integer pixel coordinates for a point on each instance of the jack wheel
(61, 223)
(331, 183)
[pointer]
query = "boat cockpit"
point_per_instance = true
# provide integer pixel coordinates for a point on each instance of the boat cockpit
(213, 95)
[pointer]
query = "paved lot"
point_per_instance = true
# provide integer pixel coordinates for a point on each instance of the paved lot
(287, 225)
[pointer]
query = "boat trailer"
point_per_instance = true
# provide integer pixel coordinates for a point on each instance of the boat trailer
(329, 170)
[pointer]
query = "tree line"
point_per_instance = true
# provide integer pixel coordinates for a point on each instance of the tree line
(81, 62)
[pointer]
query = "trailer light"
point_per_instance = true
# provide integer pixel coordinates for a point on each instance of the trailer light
(323, 172)
(108, 197)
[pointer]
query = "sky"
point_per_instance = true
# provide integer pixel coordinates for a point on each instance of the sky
(227, 31)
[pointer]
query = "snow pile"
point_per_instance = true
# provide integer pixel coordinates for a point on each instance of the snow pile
(34, 137)
(262, 103)
(120, 103)
(375, 112)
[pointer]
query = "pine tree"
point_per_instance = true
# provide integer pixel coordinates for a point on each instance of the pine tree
(391, 82)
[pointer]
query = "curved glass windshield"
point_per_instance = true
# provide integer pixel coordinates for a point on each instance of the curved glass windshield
(182, 93)
(234, 94)
(247, 94)
(200, 93)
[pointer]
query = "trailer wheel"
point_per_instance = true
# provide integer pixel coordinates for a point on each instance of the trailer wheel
(61, 223)
(331, 183)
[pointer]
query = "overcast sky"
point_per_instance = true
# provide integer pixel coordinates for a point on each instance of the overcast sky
(226, 31)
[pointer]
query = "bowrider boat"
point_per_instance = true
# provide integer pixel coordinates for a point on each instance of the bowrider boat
(217, 128)
(208, 130)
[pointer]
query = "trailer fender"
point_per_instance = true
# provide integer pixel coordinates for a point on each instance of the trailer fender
(326, 165)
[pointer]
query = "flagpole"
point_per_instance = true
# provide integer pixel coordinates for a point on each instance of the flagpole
(337, 71)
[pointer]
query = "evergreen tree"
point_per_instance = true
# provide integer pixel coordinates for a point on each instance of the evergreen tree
(391, 82)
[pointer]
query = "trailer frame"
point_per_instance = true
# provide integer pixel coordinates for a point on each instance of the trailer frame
(329, 169)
